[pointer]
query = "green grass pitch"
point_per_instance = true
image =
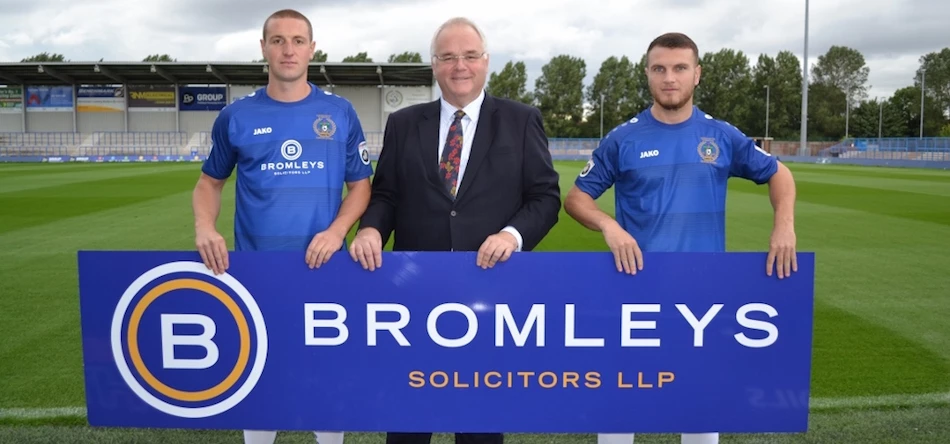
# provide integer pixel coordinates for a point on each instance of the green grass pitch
(881, 362)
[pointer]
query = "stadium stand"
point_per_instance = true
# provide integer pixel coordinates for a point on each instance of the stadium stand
(110, 111)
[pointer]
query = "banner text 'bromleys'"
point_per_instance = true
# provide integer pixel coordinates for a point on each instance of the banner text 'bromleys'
(505, 324)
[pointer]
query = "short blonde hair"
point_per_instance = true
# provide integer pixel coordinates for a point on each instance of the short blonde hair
(289, 13)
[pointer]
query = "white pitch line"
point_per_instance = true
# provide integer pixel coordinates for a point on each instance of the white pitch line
(816, 404)
(880, 401)
(56, 412)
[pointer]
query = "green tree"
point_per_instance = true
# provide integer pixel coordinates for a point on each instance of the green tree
(826, 108)
(159, 58)
(618, 81)
(937, 79)
(559, 95)
(906, 104)
(870, 116)
(511, 83)
(945, 131)
(843, 68)
(725, 88)
(45, 57)
(358, 58)
(782, 75)
(406, 57)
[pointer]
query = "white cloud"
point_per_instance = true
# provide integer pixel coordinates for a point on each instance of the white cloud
(892, 34)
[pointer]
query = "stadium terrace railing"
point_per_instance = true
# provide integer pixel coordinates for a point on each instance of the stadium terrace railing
(139, 138)
(897, 148)
(41, 139)
(198, 145)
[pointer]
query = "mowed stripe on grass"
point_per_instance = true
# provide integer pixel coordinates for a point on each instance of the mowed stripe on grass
(884, 270)
(855, 354)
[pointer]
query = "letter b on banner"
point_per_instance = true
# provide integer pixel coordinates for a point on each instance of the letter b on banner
(204, 340)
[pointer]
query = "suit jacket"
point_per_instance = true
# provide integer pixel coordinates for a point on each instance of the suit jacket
(509, 180)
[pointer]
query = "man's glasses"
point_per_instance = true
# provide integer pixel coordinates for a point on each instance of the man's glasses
(467, 58)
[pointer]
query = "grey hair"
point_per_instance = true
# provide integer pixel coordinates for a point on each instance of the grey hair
(458, 21)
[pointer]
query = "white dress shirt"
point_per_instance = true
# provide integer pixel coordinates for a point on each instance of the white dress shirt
(469, 123)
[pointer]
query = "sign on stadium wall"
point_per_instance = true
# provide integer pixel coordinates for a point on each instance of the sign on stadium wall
(100, 98)
(202, 98)
(49, 98)
(152, 98)
(543, 343)
(399, 97)
(11, 99)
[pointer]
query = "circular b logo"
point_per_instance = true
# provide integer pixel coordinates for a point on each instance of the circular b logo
(291, 150)
(192, 362)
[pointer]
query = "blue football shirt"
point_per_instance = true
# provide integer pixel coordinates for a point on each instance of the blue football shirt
(292, 160)
(670, 180)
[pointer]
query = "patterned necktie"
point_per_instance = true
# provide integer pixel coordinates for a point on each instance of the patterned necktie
(452, 155)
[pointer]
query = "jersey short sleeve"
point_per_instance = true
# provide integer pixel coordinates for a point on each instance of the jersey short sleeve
(600, 172)
(749, 161)
(223, 157)
(357, 152)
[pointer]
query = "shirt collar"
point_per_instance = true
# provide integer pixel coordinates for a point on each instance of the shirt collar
(471, 110)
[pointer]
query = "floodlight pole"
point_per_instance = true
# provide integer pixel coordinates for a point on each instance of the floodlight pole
(923, 78)
(766, 111)
(601, 115)
(880, 119)
(804, 129)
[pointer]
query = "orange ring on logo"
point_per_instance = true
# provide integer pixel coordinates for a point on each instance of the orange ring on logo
(243, 329)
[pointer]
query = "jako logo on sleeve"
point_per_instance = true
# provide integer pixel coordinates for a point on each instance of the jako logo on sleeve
(195, 364)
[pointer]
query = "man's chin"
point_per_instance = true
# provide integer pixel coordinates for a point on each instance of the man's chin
(288, 75)
(670, 105)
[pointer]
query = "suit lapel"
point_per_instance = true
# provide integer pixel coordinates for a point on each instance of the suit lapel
(484, 133)
(429, 144)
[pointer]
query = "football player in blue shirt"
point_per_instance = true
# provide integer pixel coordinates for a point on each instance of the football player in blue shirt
(294, 147)
(669, 167)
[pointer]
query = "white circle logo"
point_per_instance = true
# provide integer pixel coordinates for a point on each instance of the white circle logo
(588, 167)
(126, 347)
(364, 153)
(291, 150)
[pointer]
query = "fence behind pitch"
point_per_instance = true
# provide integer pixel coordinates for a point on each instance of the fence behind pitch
(182, 146)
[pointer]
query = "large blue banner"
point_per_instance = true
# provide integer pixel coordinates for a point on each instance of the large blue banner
(546, 342)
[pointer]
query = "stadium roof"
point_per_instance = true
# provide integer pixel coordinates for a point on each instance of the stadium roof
(236, 73)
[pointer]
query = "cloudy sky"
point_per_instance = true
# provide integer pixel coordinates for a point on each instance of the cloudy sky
(892, 34)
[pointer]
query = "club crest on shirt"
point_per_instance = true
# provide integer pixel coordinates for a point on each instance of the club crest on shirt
(708, 150)
(587, 168)
(324, 126)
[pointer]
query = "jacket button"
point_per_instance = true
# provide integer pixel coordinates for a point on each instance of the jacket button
(452, 213)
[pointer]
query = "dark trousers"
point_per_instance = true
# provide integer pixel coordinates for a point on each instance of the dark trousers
(460, 438)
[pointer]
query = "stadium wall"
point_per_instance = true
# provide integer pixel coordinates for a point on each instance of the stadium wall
(11, 122)
(49, 121)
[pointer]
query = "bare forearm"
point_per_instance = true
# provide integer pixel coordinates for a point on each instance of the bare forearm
(206, 204)
(584, 209)
(782, 196)
(352, 207)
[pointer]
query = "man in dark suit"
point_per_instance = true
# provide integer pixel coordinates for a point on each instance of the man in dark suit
(468, 172)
